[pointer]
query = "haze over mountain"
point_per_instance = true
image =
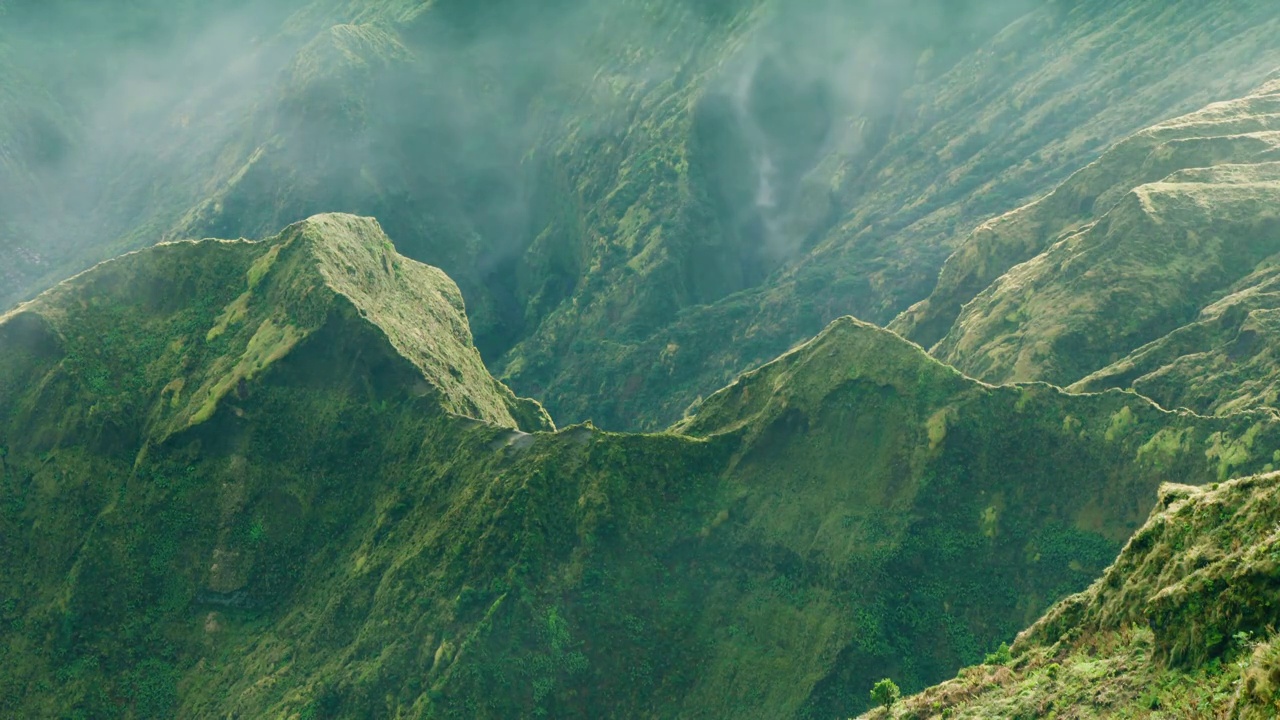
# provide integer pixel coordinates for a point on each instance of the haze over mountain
(297, 475)
(704, 184)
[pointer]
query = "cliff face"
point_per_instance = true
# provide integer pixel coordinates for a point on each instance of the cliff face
(274, 477)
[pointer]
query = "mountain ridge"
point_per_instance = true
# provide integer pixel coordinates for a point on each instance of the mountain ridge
(330, 529)
(656, 193)
(291, 476)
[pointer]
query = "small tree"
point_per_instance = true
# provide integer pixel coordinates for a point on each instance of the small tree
(1002, 656)
(885, 693)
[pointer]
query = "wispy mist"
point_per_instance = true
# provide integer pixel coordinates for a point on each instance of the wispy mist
(496, 140)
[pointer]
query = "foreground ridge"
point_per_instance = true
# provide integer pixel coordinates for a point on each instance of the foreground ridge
(1182, 625)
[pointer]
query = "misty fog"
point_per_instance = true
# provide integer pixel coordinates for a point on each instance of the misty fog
(146, 109)
(576, 162)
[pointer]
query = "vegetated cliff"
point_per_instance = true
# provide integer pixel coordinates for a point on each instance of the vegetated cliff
(1182, 625)
(273, 478)
(639, 198)
(1129, 250)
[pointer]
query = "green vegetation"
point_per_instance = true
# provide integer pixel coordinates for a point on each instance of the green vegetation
(1182, 625)
(1125, 253)
(598, 199)
(328, 507)
(1001, 656)
(1221, 362)
(873, 221)
(276, 478)
(1152, 269)
(885, 693)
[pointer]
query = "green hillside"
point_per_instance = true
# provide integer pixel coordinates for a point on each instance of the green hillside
(978, 132)
(1153, 252)
(1221, 362)
(549, 399)
(1182, 625)
(1152, 269)
(274, 478)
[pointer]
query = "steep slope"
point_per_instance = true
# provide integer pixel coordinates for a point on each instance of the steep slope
(1182, 625)
(1222, 362)
(705, 185)
(131, 349)
(273, 478)
(974, 134)
(1232, 132)
(1143, 262)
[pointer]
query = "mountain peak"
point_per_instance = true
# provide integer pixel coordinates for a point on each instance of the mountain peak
(162, 338)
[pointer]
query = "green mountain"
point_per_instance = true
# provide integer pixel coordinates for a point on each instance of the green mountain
(1150, 269)
(639, 199)
(273, 478)
(292, 476)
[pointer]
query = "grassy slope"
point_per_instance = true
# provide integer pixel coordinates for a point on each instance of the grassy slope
(1158, 245)
(235, 478)
(1222, 362)
(1204, 138)
(1182, 625)
(875, 219)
